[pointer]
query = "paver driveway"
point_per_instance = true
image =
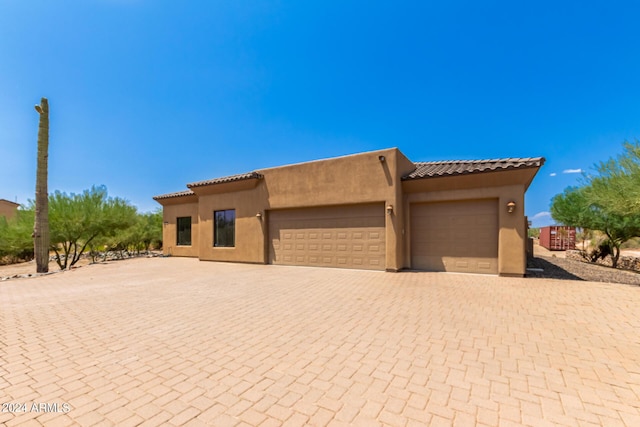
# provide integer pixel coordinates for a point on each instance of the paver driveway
(179, 342)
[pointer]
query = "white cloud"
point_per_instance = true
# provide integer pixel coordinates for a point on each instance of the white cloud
(572, 171)
(541, 215)
(552, 174)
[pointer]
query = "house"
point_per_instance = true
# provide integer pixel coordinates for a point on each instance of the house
(376, 210)
(8, 209)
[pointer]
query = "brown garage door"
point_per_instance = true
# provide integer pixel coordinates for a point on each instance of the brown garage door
(350, 236)
(455, 236)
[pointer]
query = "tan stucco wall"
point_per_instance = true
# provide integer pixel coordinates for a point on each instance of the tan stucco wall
(170, 214)
(8, 209)
(359, 178)
(396, 222)
(355, 179)
(249, 232)
(512, 255)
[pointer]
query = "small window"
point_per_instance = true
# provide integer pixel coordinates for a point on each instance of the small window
(224, 228)
(184, 231)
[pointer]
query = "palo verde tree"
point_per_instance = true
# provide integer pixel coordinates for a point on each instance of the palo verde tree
(617, 184)
(142, 235)
(16, 241)
(91, 220)
(77, 220)
(572, 207)
(608, 202)
(41, 223)
(147, 231)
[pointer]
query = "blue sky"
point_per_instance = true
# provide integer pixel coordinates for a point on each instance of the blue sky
(148, 95)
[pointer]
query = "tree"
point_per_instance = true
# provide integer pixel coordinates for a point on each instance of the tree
(577, 206)
(41, 223)
(91, 219)
(608, 201)
(617, 184)
(79, 219)
(16, 241)
(151, 224)
(618, 228)
(144, 234)
(534, 232)
(584, 235)
(146, 231)
(572, 208)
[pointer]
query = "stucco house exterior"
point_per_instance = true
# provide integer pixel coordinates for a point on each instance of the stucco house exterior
(8, 209)
(376, 210)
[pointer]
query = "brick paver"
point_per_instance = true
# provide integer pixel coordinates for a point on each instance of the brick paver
(175, 341)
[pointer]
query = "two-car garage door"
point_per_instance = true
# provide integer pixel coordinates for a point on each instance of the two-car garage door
(350, 236)
(460, 236)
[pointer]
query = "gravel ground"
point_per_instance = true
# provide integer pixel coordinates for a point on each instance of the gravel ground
(569, 269)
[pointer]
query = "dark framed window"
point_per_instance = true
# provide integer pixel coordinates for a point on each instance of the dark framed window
(224, 228)
(184, 231)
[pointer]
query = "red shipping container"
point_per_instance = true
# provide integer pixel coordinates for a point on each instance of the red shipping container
(558, 237)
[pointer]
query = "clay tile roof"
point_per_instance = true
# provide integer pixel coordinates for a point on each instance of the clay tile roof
(460, 167)
(225, 179)
(172, 195)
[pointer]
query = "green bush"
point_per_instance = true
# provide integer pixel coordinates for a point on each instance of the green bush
(16, 241)
(90, 221)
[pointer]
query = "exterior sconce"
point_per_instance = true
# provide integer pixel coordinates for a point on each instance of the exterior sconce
(381, 158)
(259, 215)
(389, 209)
(511, 206)
(165, 223)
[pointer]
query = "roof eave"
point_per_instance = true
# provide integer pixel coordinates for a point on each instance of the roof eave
(9, 201)
(226, 180)
(536, 162)
(225, 185)
(178, 197)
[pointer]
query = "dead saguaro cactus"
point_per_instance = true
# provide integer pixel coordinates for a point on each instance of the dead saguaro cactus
(41, 226)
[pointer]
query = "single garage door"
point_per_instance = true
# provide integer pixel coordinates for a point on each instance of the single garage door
(455, 236)
(351, 236)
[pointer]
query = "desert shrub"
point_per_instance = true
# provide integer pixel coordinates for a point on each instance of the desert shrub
(631, 244)
(16, 241)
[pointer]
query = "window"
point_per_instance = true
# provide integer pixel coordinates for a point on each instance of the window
(184, 231)
(224, 228)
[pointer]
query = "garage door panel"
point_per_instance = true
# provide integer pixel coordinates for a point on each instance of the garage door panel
(486, 220)
(485, 265)
(455, 236)
(345, 236)
(459, 234)
(429, 263)
(460, 221)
